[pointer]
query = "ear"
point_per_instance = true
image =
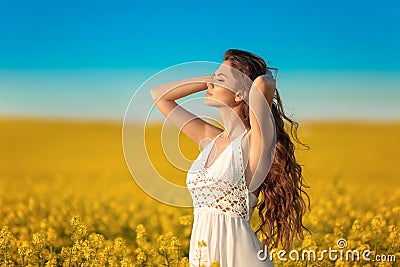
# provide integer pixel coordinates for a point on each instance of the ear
(238, 97)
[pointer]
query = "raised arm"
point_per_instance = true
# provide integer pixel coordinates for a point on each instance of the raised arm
(262, 138)
(164, 97)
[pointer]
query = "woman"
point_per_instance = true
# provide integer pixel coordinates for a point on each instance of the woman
(251, 162)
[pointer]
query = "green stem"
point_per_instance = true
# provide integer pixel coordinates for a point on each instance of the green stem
(5, 255)
(70, 257)
(200, 257)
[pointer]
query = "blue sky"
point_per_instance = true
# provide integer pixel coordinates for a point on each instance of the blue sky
(53, 49)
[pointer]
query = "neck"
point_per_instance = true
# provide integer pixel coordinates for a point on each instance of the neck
(232, 121)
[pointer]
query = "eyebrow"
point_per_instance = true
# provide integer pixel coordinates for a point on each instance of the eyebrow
(221, 74)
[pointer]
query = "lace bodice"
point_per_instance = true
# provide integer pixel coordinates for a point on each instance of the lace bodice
(221, 187)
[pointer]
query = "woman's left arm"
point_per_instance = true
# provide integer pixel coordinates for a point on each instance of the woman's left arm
(262, 138)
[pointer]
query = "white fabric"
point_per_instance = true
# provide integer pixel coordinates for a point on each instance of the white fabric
(223, 206)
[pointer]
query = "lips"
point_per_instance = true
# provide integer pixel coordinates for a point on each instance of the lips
(208, 93)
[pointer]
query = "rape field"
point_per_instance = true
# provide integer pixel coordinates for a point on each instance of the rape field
(68, 199)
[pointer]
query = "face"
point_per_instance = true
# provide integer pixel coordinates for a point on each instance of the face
(226, 87)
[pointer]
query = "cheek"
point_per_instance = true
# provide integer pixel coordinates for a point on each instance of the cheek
(225, 95)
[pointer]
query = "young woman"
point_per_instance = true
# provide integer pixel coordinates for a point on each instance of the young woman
(248, 163)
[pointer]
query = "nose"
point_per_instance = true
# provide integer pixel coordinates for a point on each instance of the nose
(210, 85)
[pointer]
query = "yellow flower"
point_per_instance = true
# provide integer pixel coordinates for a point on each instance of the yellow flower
(185, 220)
(393, 234)
(119, 243)
(75, 220)
(5, 237)
(96, 240)
(377, 222)
(366, 236)
(140, 231)
(356, 225)
(184, 262)
(38, 240)
(140, 257)
(162, 244)
(202, 243)
(51, 263)
(175, 242)
(396, 210)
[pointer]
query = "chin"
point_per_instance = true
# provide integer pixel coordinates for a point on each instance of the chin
(210, 102)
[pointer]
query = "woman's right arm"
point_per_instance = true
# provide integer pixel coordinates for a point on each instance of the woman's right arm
(164, 97)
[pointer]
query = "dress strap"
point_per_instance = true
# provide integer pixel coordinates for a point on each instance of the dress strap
(238, 157)
(238, 140)
(239, 174)
(232, 145)
(207, 150)
(210, 145)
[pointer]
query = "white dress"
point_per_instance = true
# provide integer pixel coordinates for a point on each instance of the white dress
(223, 206)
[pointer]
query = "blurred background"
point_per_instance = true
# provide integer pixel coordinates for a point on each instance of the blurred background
(74, 59)
(69, 69)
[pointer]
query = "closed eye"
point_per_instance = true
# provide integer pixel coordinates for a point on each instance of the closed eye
(220, 74)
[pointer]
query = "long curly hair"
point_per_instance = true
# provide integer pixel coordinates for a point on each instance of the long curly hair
(281, 207)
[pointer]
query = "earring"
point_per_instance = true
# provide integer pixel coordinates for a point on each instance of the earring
(238, 94)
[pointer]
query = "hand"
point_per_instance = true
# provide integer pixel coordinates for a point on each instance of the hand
(266, 79)
(207, 79)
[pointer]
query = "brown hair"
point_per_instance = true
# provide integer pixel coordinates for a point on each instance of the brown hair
(282, 206)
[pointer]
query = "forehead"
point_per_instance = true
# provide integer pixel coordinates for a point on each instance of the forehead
(224, 68)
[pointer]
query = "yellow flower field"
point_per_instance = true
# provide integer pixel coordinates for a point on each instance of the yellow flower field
(68, 199)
